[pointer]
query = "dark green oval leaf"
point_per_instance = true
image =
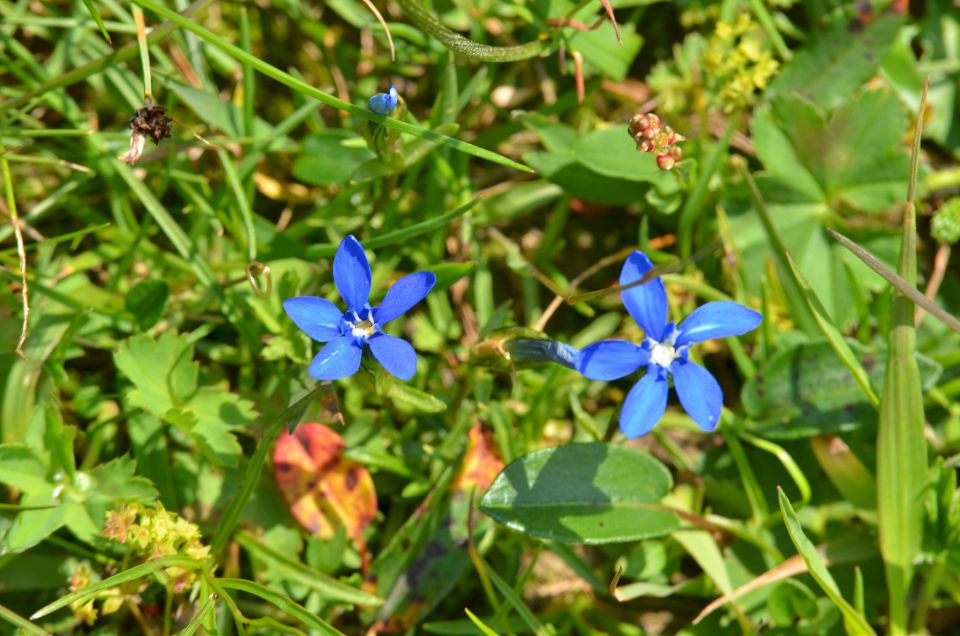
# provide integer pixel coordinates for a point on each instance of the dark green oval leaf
(589, 493)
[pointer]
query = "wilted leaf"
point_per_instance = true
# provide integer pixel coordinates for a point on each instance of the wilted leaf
(323, 487)
(481, 463)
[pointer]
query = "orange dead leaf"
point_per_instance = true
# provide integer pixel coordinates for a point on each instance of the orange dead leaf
(481, 463)
(324, 489)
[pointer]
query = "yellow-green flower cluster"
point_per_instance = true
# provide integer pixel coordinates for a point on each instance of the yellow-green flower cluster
(153, 533)
(738, 62)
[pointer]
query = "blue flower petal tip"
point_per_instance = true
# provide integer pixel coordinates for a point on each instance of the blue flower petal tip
(349, 332)
(384, 103)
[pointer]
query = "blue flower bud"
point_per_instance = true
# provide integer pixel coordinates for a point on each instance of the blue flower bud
(383, 103)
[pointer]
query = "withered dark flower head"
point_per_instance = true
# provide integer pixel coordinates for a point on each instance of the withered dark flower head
(150, 121)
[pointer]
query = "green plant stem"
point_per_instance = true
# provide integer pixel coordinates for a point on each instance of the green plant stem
(694, 205)
(467, 47)
(144, 54)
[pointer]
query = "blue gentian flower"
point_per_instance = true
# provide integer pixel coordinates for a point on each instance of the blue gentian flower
(664, 352)
(384, 103)
(346, 332)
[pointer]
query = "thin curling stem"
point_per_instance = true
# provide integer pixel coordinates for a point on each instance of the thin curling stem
(467, 47)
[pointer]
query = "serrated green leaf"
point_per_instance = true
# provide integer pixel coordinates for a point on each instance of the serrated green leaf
(590, 493)
(850, 154)
(116, 480)
(838, 59)
(162, 370)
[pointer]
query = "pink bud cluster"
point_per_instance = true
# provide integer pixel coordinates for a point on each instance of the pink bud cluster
(654, 137)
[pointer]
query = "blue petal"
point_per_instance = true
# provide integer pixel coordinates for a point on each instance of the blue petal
(395, 354)
(647, 303)
(644, 406)
(611, 359)
(339, 358)
(317, 317)
(699, 393)
(351, 273)
(404, 294)
(717, 320)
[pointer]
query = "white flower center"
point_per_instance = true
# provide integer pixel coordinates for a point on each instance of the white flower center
(362, 329)
(663, 354)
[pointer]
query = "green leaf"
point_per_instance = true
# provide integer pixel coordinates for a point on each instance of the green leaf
(162, 371)
(23, 468)
(818, 256)
(806, 390)
(838, 59)
(415, 398)
(449, 273)
(853, 620)
(147, 301)
(33, 526)
(325, 160)
(117, 482)
(590, 493)
(851, 154)
(602, 52)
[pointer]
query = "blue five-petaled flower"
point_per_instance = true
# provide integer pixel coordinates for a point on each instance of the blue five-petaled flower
(383, 103)
(664, 351)
(346, 332)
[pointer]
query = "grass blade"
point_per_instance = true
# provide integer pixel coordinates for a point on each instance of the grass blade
(834, 337)
(132, 574)
(281, 602)
(910, 291)
(25, 626)
(197, 622)
(511, 597)
(96, 16)
(328, 587)
(853, 621)
(399, 236)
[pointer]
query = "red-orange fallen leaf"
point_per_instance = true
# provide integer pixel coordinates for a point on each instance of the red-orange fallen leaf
(324, 489)
(481, 463)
